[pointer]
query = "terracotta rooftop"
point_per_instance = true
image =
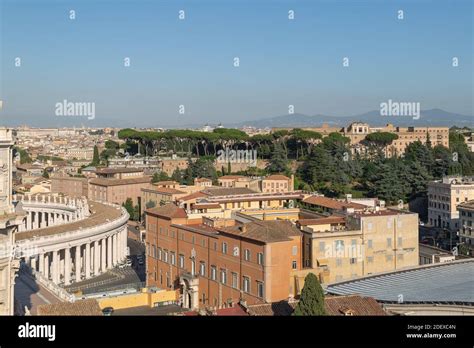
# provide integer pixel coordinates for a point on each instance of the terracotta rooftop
(117, 170)
(78, 308)
(332, 203)
(202, 180)
(232, 311)
(277, 177)
(100, 214)
(192, 196)
(169, 210)
(322, 221)
(206, 206)
(225, 191)
(335, 305)
(264, 231)
(168, 190)
(165, 183)
(232, 177)
(117, 182)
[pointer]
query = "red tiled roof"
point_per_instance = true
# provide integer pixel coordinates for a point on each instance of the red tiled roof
(117, 170)
(79, 308)
(117, 182)
(231, 177)
(192, 196)
(322, 221)
(335, 305)
(264, 231)
(169, 210)
(332, 203)
(277, 177)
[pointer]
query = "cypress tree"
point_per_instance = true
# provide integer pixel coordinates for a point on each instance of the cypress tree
(312, 298)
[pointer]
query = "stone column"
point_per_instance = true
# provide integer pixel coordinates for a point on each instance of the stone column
(35, 220)
(103, 263)
(46, 265)
(77, 261)
(109, 252)
(55, 267)
(88, 261)
(67, 266)
(30, 220)
(41, 263)
(33, 263)
(114, 249)
(96, 257)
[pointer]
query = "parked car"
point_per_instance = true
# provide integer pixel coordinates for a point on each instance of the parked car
(107, 311)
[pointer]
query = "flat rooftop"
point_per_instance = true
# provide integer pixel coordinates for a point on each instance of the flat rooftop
(450, 282)
(100, 214)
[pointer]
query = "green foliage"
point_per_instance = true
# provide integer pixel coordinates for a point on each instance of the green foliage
(128, 205)
(312, 298)
(150, 204)
(278, 162)
(96, 158)
(24, 156)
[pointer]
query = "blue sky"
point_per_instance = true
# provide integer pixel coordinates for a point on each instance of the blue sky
(190, 62)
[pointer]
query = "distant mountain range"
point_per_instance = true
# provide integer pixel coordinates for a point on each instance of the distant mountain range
(432, 117)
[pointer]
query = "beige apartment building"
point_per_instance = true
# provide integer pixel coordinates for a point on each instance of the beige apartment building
(277, 183)
(360, 244)
(357, 131)
(444, 196)
(70, 186)
(466, 224)
(270, 184)
(239, 181)
(118, 190)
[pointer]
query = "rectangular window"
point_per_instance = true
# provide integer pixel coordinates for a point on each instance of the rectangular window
(294, 265)
(338, 262)
(260, 258)
(202, 269)
(353, 260)
(400, 257)
(339, 245)
(181, 261)
(370, 244)
(247, 255)
(224, 248)
(370, 259)
(159, 253)
(294, 250)
(235, 282)
(259, 289)
(388, 258)
(322, 246)
(213, 273)
(400, 241)
(389, 242)
(173, 258)
(223, 276)
(246, 284)
(166, 256)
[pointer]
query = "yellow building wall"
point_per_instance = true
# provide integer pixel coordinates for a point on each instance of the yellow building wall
(137, 299)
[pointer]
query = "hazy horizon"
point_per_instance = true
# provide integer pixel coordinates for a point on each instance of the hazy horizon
(190, 62)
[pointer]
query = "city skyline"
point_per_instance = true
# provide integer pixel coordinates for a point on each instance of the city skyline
(190, 62)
